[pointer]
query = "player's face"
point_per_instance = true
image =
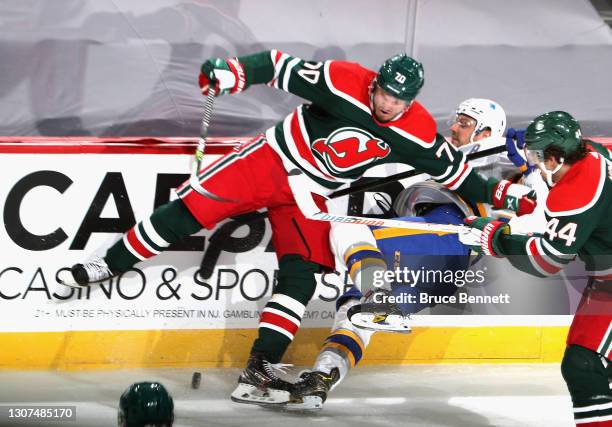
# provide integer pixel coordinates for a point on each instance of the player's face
(551, 164)
(549, 168)
(462, 129)
(386, 106)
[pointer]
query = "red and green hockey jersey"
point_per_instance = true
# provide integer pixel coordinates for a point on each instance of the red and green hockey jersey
(336, 138)
(578, 223)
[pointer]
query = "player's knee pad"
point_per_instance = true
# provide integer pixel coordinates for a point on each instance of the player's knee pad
(173, 221)
(366, 265)
(586, 374)
(362, 256)
(296, 278)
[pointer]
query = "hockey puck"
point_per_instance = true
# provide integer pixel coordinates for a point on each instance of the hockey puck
(196, 378)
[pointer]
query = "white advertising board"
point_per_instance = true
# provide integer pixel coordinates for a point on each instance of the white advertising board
(62, 208)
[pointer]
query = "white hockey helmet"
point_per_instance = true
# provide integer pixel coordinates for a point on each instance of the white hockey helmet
(487, 113)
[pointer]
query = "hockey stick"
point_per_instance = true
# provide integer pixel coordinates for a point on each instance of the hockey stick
(310, 210)
(387, 222)
(408, 174)
(376, 222)
(383, 222)
(194, 180)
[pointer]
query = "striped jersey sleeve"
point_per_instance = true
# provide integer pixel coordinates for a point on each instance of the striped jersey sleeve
(449, 167)
(286, 72)
(544, 258)
(534, 254)
(547, 254)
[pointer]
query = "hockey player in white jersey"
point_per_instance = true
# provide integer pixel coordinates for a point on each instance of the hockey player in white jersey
(478, 124)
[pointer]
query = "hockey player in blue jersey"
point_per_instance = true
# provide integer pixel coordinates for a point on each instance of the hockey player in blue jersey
(399, 250)
(368, 253)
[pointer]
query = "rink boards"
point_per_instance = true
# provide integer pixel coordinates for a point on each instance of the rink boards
(64, 200)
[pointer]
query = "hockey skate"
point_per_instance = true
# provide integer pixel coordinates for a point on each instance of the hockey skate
(259, 385)
(81, 275)
(377, 313)
(310, 392)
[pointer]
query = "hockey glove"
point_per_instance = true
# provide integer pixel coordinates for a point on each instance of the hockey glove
(489, 232)
(227, 74)
(512, 148)
(516, 197)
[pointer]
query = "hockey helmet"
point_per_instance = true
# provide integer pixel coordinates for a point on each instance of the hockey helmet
(554, 129)
(487, 113)
(401, 76)
(427, 193)
(145, 404)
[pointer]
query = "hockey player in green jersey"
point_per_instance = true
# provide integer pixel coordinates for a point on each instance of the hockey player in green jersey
(577, 210)
(356, 119)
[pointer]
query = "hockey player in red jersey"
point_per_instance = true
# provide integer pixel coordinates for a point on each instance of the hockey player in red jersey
(577, 210)
(357, 119)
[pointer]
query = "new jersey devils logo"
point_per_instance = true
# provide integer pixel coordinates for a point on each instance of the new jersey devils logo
(349, 148)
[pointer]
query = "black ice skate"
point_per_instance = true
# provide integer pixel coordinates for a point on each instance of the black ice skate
(378, 313)
(259, 385)
(80, 275)
(310, 392)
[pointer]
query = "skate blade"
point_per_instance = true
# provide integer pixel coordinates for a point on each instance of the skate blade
(306, 403)
(65, 278)
(249, 394)
(377, 323)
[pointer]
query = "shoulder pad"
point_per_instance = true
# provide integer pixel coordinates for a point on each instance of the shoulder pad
(598, 148)
(417, 122)
(580, 188)
(349, 79)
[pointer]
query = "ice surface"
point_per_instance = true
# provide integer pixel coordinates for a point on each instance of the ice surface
(413, 395)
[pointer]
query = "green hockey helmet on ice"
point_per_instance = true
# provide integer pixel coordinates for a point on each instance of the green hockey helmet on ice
(145, 404)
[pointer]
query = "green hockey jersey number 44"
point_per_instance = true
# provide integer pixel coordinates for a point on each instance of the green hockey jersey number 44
(577, 210)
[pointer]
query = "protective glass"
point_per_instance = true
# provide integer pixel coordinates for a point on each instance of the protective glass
(463, 121)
